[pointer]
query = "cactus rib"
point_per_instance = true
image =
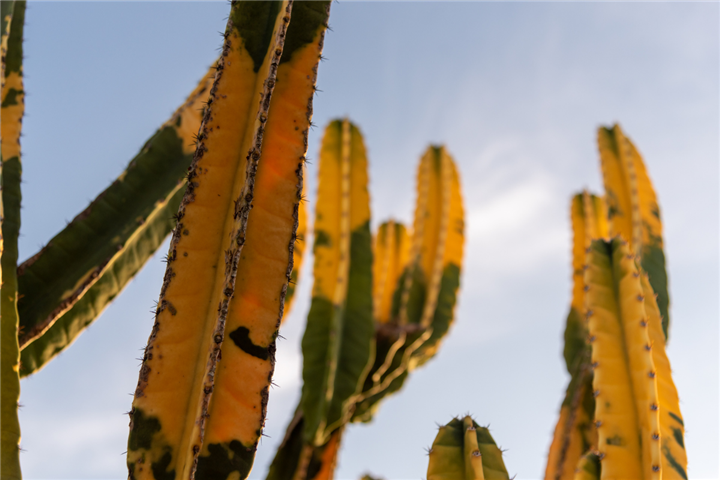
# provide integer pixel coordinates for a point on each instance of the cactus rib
(624, 377)
(180, 374)
(98, 257)
(13, 106)
(672, 428)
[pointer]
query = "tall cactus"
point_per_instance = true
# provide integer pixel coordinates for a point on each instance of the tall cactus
(424, 300)
(338, 340)
(463, 450)
(633, 209)
(574, 434)
(632, 440)
(13, 107)
(195, 415)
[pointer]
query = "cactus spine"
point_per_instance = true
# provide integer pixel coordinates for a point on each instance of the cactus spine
(338, 340)
(13, 106)
(633, 209)
(193, 415)
(463, 450)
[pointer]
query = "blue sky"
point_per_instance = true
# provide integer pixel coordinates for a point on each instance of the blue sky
(515, 90)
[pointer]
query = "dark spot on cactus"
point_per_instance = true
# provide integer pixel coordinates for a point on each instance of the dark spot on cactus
(142, 429)
(674, 463)
(160, 468)
(241, 338)
(678, 436)
(171, 308)
(615, 440)
(643, 323)
(640, 298)
(322, 239)
(598, 423)
(656, 468)
(656, 436)
(218, 338)
(12, 97)
(186, 232)
(648, 347)
(653, 407)
(196, 449)
(651, 374)
(224, 459)
(676, 418)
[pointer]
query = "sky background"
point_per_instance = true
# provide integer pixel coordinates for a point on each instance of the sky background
(515, 90)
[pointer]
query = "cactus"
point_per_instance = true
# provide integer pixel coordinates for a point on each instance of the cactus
(463, 450)
(423, 302)
(573, 433)
(102, 249)
(633, 209)
(390, 257)
(193, 415)
(338, 344)
(13, 106)
(632, 438)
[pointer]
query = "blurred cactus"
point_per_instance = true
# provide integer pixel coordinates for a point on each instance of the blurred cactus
(12, 110)
(463, 450)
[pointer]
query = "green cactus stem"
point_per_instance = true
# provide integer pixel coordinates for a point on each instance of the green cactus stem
(66, 285)
(463, 450)
(12, 109)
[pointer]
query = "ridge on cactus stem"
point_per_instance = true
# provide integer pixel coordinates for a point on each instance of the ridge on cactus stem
(425, 294)
(391, 249)
(463, 450)
(200, 403)
(633, 210)
(574, 433)
(12, 110)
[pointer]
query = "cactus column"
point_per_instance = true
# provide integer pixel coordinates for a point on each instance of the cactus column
(12, 110)
(200, 403)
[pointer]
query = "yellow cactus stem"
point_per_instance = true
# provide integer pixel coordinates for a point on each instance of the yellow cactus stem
(193, 415)
(13, 107)
(463, 450)
(633, 208)
(624, 376)
(672, 428)
(390, 258)
(573, 433)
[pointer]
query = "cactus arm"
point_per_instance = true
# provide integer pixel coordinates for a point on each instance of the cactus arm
(242, 378)
(463, 450)
(624, 377)
(12, 110)
(672, 428)
(390, 257)
(338, 341)
(101, 250)
(633, 208)
(177, 378)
